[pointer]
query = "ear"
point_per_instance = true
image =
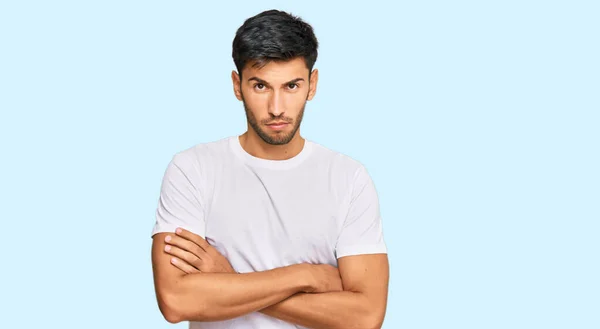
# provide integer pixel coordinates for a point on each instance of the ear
(235, 80)
(314, 79)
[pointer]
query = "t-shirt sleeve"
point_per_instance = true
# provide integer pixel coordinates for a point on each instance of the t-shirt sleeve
(362, 231)
(180, 203)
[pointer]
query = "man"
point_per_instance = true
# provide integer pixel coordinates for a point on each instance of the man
(268, 229)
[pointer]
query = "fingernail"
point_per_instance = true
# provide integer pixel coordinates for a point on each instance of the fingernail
(168, 238)
(178, 231)
(167, 248)
(173, 260)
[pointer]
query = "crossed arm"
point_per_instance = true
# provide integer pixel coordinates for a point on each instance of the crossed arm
(294, 293)
(362, 304)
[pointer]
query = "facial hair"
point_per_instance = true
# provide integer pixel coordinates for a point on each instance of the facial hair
(277, 139)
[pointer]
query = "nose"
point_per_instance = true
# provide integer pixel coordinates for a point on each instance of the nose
(276, 103)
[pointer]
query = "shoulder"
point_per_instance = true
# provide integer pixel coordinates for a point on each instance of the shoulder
(348, 174)
(338, 162)
(201, 155)
(197, 162)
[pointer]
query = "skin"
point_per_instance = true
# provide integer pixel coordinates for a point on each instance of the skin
(216, 296)
(276, 92)
(194, 282)
(361, 303)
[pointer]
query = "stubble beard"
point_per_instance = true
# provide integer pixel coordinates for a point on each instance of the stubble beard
(279, 138)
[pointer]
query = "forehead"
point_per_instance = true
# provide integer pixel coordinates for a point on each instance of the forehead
(275, 71)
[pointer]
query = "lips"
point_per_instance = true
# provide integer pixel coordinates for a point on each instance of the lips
(278, 125)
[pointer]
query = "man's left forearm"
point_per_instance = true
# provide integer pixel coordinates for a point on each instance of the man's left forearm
(330, 310)
(362, 305)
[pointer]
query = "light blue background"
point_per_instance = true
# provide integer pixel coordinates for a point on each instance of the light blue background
(478, 121)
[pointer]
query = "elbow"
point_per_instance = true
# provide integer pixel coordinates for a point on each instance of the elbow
(168, 306)
(370, 315)
(172, 317)
(174, 309)
(373, 319)
(376, 324)
(372, 322)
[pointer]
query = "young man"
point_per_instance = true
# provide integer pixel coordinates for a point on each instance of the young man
(268, 229)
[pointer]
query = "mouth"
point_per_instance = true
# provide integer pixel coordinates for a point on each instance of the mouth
(278, 125)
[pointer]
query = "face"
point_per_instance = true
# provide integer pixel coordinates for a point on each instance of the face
(274, 98)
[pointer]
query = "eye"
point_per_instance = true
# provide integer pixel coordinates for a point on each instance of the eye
(292, 86)
(259, 86)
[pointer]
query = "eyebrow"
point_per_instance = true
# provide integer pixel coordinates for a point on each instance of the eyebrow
(261, 81)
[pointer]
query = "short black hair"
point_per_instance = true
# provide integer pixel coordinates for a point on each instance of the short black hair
(274, 35)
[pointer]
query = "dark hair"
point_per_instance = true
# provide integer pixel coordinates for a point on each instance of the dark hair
(274, 35)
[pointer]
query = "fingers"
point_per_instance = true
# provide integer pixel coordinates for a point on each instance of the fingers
(183, 255)
(192, 237)
(186, 245)
(182, 265)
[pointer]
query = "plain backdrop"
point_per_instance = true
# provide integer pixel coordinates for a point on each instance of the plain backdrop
(478, 121)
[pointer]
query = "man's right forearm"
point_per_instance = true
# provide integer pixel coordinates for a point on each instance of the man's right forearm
(221, 296)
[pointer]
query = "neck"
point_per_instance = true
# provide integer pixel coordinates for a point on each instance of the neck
(255, 146)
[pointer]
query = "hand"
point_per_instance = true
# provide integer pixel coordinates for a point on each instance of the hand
(192, 254)
(325, 278)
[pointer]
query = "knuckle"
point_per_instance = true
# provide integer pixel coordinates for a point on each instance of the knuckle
(174, 251)
(197, 250)
(189, 258)
(186, 244)
(196, 262)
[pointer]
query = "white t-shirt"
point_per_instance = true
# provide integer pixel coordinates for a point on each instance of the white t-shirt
(262, 214)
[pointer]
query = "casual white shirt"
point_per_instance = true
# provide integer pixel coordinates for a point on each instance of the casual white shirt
(262, 214)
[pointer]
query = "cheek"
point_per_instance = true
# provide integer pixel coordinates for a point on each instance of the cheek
(255, 101)
(295, 102)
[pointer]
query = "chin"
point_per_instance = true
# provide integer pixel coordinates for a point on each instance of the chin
(276, 139)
